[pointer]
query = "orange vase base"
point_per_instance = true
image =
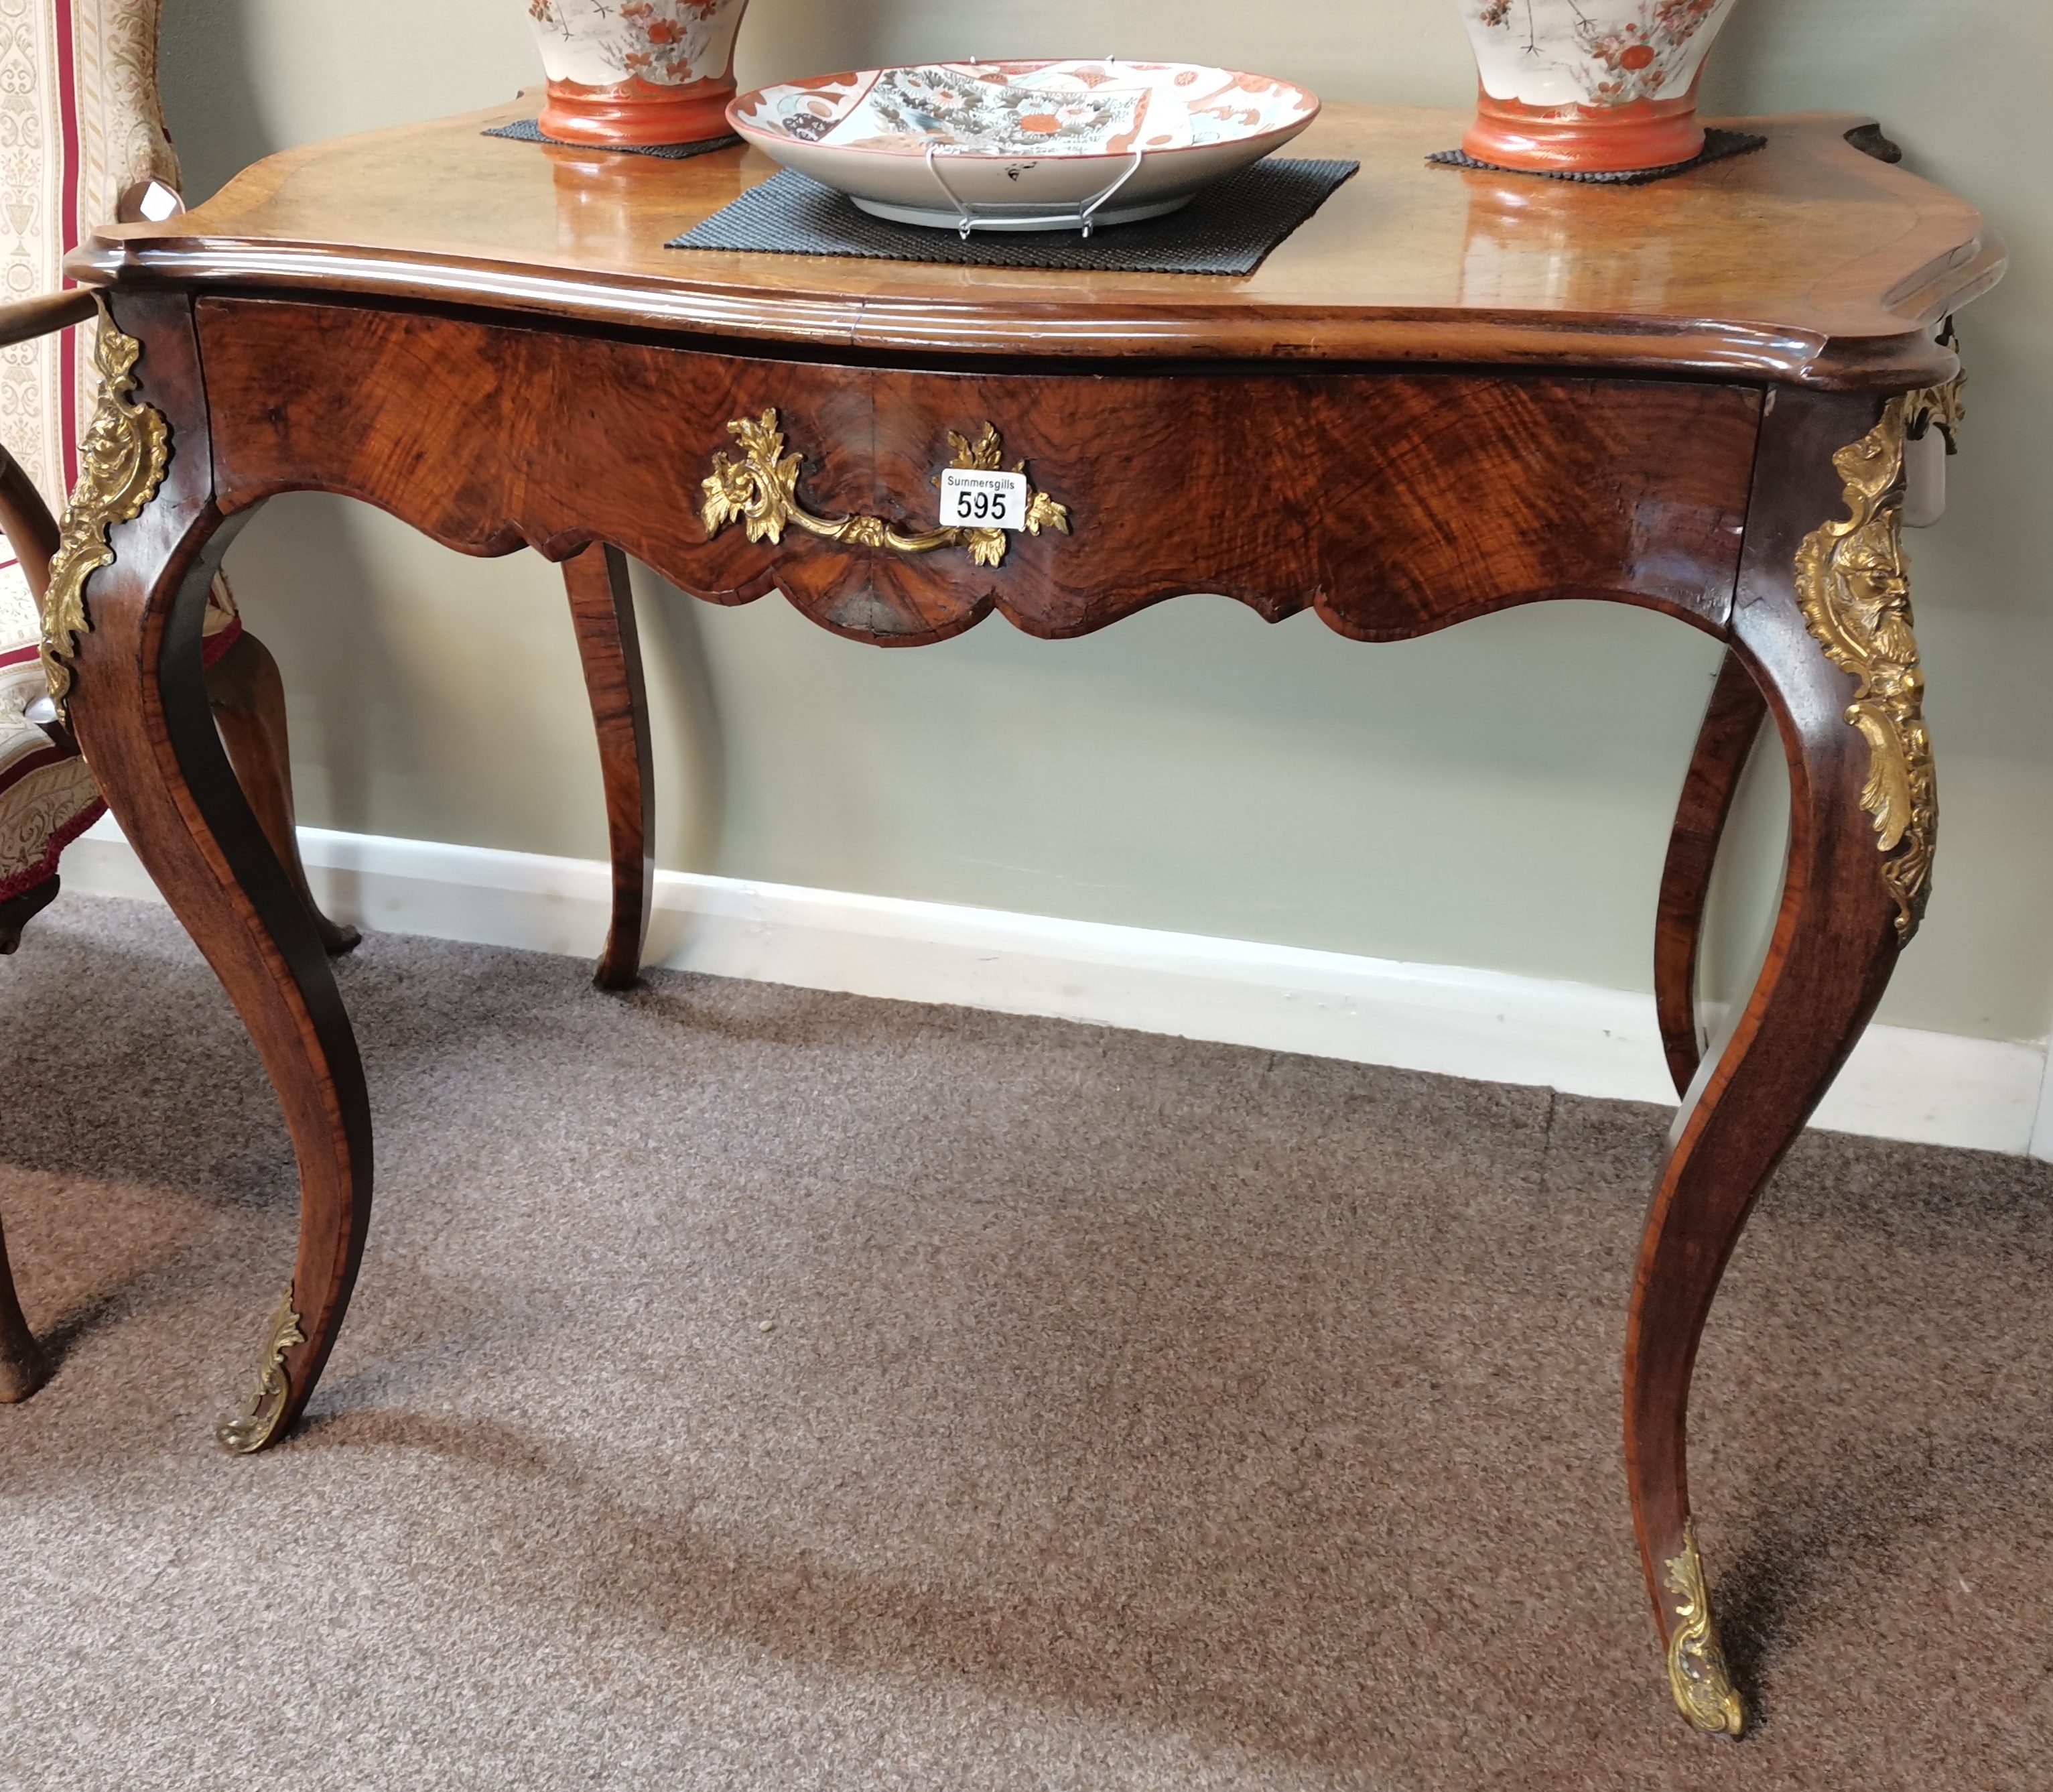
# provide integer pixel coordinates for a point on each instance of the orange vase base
(636, 113)
(1585, 139)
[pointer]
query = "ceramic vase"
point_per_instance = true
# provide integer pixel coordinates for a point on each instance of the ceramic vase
(1589, 86)
(626, 72)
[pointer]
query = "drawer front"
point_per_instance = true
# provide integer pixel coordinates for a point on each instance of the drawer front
(1395, 504)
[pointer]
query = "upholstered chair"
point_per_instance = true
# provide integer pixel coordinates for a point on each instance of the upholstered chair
(82, 140)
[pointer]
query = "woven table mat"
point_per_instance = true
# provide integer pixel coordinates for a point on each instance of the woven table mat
(1230, 228)
(1718, 146)
(528, 131)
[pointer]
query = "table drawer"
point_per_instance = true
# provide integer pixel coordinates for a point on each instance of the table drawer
(1394, 503)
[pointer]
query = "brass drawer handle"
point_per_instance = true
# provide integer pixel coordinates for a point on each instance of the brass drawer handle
(760, 490)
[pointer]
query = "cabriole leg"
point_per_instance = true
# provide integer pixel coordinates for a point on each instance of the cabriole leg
(248, 699)
(1725, 744)
(602, 608)
(1823, 626)
(18, 912)
(23, 1366)
(128, 646)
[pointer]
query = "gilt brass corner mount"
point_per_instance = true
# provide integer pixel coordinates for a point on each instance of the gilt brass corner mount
(760, 491)
(122, 460)
(1853, 583)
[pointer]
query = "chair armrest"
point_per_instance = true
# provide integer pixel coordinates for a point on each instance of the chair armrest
(26, 319)
(31, 530)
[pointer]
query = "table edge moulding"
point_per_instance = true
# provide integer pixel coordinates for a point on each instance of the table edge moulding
(1450, 392)
(1859, 322)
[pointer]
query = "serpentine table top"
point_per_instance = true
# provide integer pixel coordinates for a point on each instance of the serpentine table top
(1807, 260)
(1450, 391)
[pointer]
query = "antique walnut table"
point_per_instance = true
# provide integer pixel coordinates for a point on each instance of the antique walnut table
(1450, 392)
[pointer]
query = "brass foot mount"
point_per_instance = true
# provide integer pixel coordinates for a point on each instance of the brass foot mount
(1697, 1672)
(257, 1423)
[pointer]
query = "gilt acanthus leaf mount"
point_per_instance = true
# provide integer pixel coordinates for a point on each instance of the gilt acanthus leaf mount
(1697, 1672)
(1854, 584)
(122, 460)
(257, 1423)
(760, 491)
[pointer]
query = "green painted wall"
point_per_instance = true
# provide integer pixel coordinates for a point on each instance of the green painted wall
(1496, 796)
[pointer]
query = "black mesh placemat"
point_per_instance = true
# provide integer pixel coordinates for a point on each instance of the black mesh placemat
(1229, 228)
(1718, 146)
(527, 131)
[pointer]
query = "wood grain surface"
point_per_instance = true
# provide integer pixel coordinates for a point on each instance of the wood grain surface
(247, 693)
(601, 603)
(1725, 743)
(141, 712)
(24, 1366)
(1430, 404)
(1394, 504)
(1829, 960)
(1806, 261)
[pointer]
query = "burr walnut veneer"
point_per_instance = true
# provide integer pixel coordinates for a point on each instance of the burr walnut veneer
(1450, 392)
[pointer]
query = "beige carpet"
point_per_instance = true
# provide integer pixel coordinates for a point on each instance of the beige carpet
(750, 1387)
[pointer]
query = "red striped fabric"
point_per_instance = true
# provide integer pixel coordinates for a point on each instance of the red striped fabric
(68, 114)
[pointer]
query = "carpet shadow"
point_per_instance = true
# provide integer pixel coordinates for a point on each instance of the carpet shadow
(136, 1068)
(692, 1004)
(88, 1255)
(671, 1583)
(1319, 1694)
(1806, 1547)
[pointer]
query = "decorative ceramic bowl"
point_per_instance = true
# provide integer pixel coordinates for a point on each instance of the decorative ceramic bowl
(1024, 146)
(637, 71)
(1589, 86)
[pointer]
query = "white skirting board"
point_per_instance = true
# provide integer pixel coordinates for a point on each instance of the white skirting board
(1931, 1088)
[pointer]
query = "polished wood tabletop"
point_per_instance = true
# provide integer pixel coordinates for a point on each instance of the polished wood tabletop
(1450, 392)
(1805, 261)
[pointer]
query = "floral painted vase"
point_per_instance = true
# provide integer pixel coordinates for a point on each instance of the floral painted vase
(1589, 86)
(637, 71)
